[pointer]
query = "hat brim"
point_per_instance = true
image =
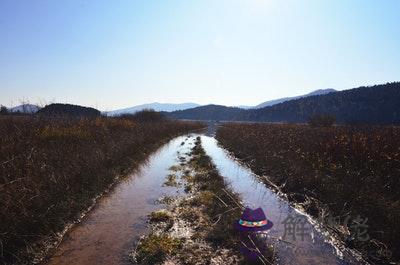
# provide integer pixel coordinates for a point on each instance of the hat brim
(242, 228)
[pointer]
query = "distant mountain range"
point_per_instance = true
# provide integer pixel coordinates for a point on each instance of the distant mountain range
(168, 107)
(25, 108)
(379, 104)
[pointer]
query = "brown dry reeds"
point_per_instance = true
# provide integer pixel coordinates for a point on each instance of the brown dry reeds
(52, 168)
(352, 171)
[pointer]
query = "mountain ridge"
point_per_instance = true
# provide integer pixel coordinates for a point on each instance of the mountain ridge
(168, 107)
(281, 100)
(25, 108)
(378, 104)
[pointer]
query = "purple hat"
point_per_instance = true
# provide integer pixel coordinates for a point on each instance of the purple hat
(253, 221)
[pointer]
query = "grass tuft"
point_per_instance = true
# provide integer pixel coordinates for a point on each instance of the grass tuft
(160, 216)
(154, 248)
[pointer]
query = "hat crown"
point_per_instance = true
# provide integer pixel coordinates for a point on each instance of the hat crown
(256, 215)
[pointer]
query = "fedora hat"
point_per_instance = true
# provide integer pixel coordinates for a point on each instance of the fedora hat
(253, 221)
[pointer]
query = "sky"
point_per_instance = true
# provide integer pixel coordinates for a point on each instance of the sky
(116, 54)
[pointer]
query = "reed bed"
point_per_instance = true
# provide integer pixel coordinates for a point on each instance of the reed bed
(51, 169)
(347, 175)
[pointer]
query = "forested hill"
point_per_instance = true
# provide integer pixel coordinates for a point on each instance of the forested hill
(208, 112)
(58, 109)
(379, 104)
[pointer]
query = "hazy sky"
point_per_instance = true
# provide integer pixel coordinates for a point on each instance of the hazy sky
(113, 54)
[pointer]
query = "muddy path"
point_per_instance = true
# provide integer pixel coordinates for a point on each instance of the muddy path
(112, 228)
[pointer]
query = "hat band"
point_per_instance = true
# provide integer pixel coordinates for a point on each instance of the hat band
(252, 224)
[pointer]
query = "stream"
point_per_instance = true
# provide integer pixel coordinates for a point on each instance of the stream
(112, 228)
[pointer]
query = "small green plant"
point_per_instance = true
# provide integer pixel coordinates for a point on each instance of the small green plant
(160, 216)
(154, 248)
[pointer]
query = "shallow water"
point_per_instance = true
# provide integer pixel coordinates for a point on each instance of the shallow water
(111, 229)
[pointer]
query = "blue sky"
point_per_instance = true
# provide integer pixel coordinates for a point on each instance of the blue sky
(114, 54)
